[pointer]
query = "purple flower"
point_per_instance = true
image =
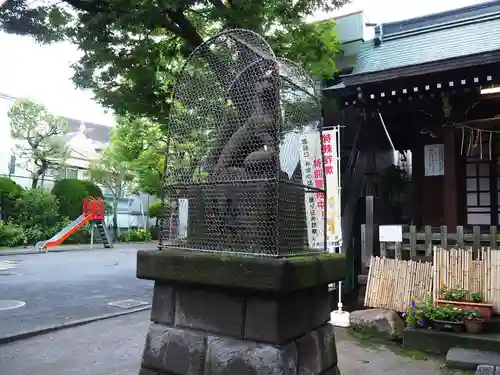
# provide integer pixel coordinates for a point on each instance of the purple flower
(421, 322)
(413, 304)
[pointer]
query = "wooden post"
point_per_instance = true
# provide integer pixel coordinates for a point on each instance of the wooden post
(444, 236)
(369, 227)
(365, 257)
(413, 241)
(476, 237)
(493, 237)
(398, 254)
(428, 240)
(383, 250)
(460, 236)
(450, 191)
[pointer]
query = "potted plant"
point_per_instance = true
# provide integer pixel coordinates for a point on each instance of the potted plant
(473, 321)
(461, 298)
(447, 318)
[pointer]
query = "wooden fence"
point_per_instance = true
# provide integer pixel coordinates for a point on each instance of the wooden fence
(392, 282)
(417, 242)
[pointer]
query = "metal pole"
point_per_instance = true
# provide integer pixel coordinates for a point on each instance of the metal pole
(386, 131)
(91, 235)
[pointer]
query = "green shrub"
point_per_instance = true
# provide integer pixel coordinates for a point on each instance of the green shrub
(135, 235)
(82, 235)
(70, 193)
(35, 234)
(9, 192)
(156, 209)
(36, 212)
(11, 235)
(140, 235)
(155, 232)
(124, 237)
(37, 207)
(92, 189)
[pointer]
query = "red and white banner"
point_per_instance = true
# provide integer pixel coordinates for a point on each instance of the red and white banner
(312, 175)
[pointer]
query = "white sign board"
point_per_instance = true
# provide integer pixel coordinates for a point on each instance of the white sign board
(312, 175)
(310, 162)
(390, 233)
(434, 160)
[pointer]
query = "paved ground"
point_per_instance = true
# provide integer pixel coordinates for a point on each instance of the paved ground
(114, 347)
(77, 247)
(61, 287)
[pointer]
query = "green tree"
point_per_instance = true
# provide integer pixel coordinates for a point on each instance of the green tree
(141, 145)
(156, 210)
(112, 173)
(70, 194)
(38, 134)
(9, 192)
(133, 49)
(92, 189)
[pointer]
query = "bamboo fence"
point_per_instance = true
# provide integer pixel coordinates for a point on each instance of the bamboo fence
(477, 271)
(391, 283)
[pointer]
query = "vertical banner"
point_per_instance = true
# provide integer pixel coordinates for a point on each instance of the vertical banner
(312, 167)
(310, 162)
(331, 153)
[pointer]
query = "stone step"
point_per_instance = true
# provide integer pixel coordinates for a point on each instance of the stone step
(487, 370)
(469, 359)
(493, 325)
(430, 341)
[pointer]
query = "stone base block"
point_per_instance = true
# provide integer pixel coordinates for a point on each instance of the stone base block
(181, 351)
(219, 314)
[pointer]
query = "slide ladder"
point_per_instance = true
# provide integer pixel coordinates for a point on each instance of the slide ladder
(103, 232)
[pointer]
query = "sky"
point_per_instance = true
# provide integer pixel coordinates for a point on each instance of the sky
(43, 73)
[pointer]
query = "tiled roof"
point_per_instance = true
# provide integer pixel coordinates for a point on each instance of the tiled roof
(96, 132)
(443, 36)
(430, 46)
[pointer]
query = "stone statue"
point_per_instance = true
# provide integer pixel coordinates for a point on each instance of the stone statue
(244, 307)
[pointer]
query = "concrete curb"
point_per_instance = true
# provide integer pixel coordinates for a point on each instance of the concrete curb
(75, 323)
(32, 250)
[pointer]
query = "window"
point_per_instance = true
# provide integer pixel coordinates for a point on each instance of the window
(72, 173)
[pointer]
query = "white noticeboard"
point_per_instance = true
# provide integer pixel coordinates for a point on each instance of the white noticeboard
(434, 160)
(390, 233)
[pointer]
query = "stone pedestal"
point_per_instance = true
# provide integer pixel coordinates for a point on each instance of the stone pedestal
(223, 314)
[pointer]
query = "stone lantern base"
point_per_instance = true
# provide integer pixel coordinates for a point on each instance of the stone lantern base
(223, 314)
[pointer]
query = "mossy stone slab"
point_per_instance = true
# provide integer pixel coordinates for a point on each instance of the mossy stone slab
(264, 274)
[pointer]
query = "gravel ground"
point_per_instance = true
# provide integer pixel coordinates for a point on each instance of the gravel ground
(114, 347)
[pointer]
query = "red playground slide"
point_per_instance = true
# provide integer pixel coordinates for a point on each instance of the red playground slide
(93, 211)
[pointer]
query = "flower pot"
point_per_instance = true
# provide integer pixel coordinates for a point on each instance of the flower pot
(446, 326)
(474, 326)
(485, 309)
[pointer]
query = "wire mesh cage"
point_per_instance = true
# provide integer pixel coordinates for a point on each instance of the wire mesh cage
(235, 181)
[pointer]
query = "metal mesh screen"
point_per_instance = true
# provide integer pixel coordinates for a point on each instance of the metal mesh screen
(237, 119)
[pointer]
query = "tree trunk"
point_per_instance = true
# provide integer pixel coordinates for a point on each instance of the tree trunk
(34, 181)
(115, 218)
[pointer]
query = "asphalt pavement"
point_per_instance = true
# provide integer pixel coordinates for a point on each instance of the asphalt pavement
(114, 347)
(57, 288)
